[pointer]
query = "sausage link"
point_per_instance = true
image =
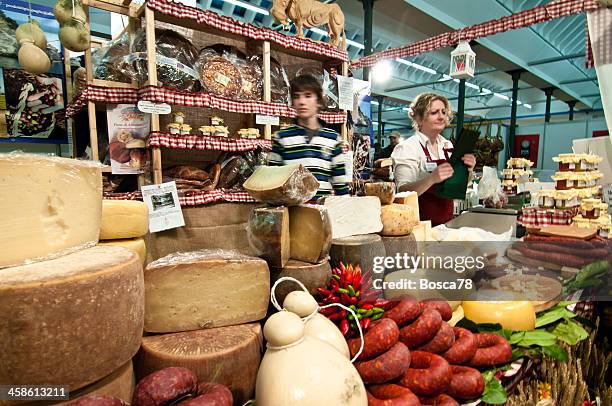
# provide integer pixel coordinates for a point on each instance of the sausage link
(390, 365)
(391, 395)
(381, 336)
(492, 350)
(441, 306)
(428, 375)
(211, 394)
(463, 349)
(442, 341)
(422, 329)
(163, 386)
(404, 312)
(466, 383)
(98, 400)
(440, 400)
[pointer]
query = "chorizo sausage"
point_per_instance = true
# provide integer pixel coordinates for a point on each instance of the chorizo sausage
(381, 336)
(463, 348)
(98, 400)
(391, 395)
(163, 386)
(404, 312)
(422, 329)
(441, 306)
(442, 341)
(428, 375)
(210, 394)
(390, 365)
(440, 400)
(466, 383)
(492, 350)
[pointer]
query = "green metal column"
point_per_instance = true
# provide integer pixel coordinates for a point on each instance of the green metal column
(368, 13)
(572, 105)
(549, 92)
(460, 107)
(381, 100)
(516, 75)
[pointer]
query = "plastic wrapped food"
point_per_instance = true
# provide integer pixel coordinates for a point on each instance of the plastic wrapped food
(490, 189)
(234, 171)
(282, 185)
(110, 60)
(176, 58)
(252, 79)
(79, 81)
(279, 82)
(218, 74)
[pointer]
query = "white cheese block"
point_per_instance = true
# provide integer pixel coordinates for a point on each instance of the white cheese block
(204, 289)
(123, 219)
(422, 233)
(398, 219)
(268, 234)
(227, 355)
(135, 244)
(354, 215)
(73, 320)
(313, 276)
(49, 205)
(411, 199)
(311, 233)
(282, 185)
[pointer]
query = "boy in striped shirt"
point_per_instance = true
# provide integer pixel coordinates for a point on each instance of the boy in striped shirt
(308, 143)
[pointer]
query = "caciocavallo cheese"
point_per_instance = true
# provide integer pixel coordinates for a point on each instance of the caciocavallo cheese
(205, 289)
(50, 206)
(123, 219)
(72, 320)
(227, 355)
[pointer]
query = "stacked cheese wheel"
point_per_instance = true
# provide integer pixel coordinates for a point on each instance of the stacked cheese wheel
(125, 223)
(413, 355)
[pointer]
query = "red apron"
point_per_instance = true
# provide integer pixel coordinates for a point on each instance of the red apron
(432, 207)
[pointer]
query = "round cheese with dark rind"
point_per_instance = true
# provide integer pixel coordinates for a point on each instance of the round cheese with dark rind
(313, 276)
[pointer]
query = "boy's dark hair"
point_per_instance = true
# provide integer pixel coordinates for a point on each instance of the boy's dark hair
(305, 83)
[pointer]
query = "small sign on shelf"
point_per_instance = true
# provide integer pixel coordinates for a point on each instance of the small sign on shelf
(164, 206)
(263, 119)
(154, 108)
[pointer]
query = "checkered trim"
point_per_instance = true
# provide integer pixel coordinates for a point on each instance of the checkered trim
(230, 25)
(550, 11)
(159, 94)
(193, 198)
(205, 142)
(599, 30)
(537, 217)
(101, 94)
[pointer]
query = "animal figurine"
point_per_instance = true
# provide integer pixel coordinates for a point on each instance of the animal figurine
(311, 13)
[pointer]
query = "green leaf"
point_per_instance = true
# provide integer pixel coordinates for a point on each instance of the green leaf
(540, 338)
(570, 332)
(555, 352)
(494, 392)
(489, 327)
(516, 337)
(468, 325)
(553, 315)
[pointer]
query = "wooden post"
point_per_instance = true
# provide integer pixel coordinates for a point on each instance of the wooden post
(267, 91)
(152, 68)
(91, 106)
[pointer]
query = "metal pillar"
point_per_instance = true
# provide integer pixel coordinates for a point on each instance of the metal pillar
(549, 92)
(381, 100)
(368, 13)
(516, 75)
(460, 107)
(571, 104)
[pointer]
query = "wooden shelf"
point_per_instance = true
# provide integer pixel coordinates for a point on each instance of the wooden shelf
(194, 198)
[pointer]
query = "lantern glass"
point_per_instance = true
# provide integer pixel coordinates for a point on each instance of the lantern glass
(463, 61)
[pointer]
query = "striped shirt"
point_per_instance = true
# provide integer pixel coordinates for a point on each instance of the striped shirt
(322, 155)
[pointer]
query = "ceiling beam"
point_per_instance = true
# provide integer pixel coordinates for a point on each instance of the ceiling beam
(569, 82)
(555, 59)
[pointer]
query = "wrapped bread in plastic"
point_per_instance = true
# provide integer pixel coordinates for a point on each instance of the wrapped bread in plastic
(218, 74)
(110, 60)
(279, 83)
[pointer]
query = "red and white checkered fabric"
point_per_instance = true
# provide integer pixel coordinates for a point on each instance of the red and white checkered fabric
(205, 142)
(123, 196)
(537, 217)
(550, 11)
(599, 35)
(159, 94)
(214, 196)
(101, 94)
(230, 25)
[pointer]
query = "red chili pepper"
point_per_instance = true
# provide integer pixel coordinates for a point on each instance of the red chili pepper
(344, 327)
(324, 292)
(334, 285)
(342, 268)
(365, 323)
(343, 313)
(346, 300)
(354, 300)
(357, 282)
(327, 311)
(367, 306)
(335, 316)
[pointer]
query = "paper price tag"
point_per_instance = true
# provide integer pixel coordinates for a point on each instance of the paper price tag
(345, 90)
(154, 108)
(262, 119)
(164, 207)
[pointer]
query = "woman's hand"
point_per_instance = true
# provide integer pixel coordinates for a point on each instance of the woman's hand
(442, 172)
(469, 160)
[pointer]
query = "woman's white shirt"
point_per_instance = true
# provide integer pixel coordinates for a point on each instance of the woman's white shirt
(409, 159)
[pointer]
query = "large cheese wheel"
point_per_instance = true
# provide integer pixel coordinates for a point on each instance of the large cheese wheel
(268, 234)
(73, 320)
(311, 233)
(227, 355)
(359, 249)
(49, 205)
(398, 219)
(123, 219)
(313, 276)
(282, 185)
(204, 289)
(512, 315)
(135, 244)
(409, 198)
(401, 245)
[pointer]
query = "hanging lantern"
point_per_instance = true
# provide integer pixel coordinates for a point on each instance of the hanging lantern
(463, 61)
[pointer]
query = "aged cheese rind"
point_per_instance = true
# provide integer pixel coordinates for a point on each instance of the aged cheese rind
(50, 206)
(123, 219)
(73, 320)
(359, 250)
(282, 185)
(385, 191)
(398, 219)
(227, 355)
(204, 289)
(400, 245)
(311, 233)
(313, 276)
(354, 215)
(135, 244)
(268, 234)
(410, 198)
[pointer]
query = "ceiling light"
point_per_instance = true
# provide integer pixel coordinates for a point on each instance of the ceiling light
(407, 109)
(248, 6)
(527, 105)
(501, 96)
(374, 102)
(348, 41)
(382, 71)
(446, 77)
(518, 102)
(473, 86)
(485, 91)
(416, 66)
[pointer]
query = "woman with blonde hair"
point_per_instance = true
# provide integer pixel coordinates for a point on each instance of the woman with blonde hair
(421, 161)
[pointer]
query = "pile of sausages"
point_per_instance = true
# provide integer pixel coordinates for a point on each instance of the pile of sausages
(173, 385)
(412, 356)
